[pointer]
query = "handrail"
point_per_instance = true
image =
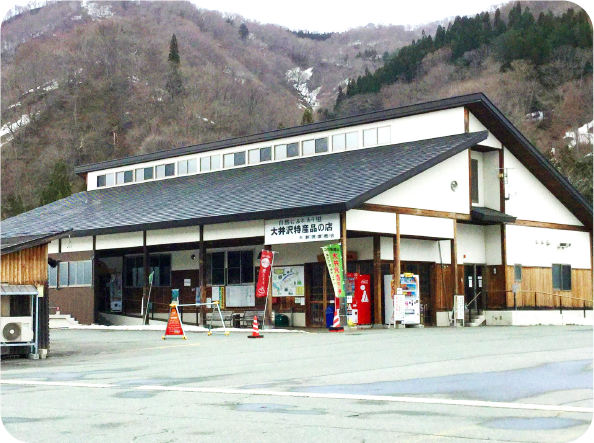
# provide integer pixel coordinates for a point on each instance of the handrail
(466, 305)
(545, 293)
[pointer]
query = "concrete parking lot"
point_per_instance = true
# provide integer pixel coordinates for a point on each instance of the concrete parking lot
(529, 384)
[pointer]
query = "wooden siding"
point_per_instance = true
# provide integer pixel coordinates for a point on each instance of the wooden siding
(444, 301)
(79, 302)
(537, 285)
(25, 267)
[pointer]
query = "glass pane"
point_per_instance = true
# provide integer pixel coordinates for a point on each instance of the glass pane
(239, 158)
(309, 147)
(556, 276)
(160, 171)
(170, 170)
(64, 273)
(205, 164)
(370, 137)
(383, 135)
(192, 166)
(280, 152)
(109, 179)
(233, 276)
(518, 272)
(228, 160)
(88, 278)
(218, 260)
(128, 177)
(140, 174)
(233, 259)
(247, 266)
(72, 273)
(100, 181)
(321, 145)
(119, 178)
(265, 154)
(254, 156)
(338, 142)
(352, 140)
(474, 191)
(566, 277)
(218, 277)
(148, 173)
(182, 167)
(165, 270)
(80, 273)
(215, 162)
(53, 276)
(293, 150)
(129, 263)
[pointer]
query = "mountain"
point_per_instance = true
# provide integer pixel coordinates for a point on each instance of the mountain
(91, 81)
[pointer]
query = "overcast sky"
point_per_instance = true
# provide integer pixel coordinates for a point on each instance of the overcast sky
(327, 15)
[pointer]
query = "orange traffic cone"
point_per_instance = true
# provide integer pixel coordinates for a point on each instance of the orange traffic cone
(255, 332)
(336, 323)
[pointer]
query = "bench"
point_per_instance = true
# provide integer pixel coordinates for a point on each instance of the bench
(216, 319)
(248, 318)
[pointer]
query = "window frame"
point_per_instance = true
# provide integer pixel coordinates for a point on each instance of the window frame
(563, 284)
(369, 131)
(474, 181)
(517, 272)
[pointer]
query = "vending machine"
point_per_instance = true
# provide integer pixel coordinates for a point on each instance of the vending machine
(358, 299)
(409, 283)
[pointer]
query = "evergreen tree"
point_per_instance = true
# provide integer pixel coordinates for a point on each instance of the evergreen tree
(174, 84)
(307, 117)
(339, 98)
(12, 205)
(173, 51)
(498, 24)
(243, 31)
(58, 186)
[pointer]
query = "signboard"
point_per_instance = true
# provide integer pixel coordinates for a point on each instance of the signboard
(174, 325)
(288, 281)
(240, 296)
(187, 282)
(302, 229)
(333, 255)
(399, 312)
(459, 307)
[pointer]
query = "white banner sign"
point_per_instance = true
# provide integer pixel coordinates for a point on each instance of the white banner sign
(459, 307)
(302, 229)
(399, 312)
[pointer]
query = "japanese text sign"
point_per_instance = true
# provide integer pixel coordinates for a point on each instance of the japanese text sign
(302, 229)
(333, 255)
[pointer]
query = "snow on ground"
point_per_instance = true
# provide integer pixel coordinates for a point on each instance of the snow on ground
(11, 127)
(97, 10)
(299, 79)
(187, 328)
(582, 135)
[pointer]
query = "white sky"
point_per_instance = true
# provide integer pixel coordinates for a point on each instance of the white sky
(327, 15)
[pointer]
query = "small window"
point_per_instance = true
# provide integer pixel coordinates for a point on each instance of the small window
(160, 171)
(383, 135)
(140, 175)
(253, 156)
(309, 147)
(215, 268)
(205, 164)
(182, 167)
(215, 162)
(109, 179)
(100, 181)
(134, 272)
(161, 266)
(280, 152)
(321, 145)
(119, 178)
(370, 137)
(517, 272)
(352, 140)
(239, 158)
(72, 273)
(338, 142)
(474, 189)
(228, 160)
(88, 272)
(265, 154)
(293, 150)
(63, 273)
(561, 277)
(52, 276)
(128, 177)
(170, 170)
(192, 166)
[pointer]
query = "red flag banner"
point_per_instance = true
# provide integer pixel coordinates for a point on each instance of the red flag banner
(264, 277)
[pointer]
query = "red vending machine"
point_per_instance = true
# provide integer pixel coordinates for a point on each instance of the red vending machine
(358, 299)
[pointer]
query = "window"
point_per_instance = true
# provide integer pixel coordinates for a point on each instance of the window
(52, 276)
(144, 174)
(315, 146)
(109, 179)
(134, 272)
(161, 266)
(321, 145)
(187, 166)
(123, 177)
(239, 267)
(383, 135)
(561, 277)
(286, 151)
(474, 190)
(228, 161)
(100, 181)
(74, 273)
(210, 163)
(205, 164)
(167, 170)
(338, 142)
(309, 147)
(160, 171)
(253, 156)
(517, 272)
(234, 159)
(352, 140)
(370, 137)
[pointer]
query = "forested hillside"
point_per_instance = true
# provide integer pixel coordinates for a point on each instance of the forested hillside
(89, 82)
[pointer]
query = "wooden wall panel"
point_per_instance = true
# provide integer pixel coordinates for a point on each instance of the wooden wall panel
(495, 286)
(26, 267)
(79, 302)
(537, 288)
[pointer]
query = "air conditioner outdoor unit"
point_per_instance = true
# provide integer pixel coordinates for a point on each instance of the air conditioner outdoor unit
(16, 329)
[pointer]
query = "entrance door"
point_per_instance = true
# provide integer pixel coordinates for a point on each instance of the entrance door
(473, 287)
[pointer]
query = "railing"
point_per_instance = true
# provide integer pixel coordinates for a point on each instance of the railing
(586, 304)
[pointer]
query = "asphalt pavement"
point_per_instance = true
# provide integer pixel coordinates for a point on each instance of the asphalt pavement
(512, 384)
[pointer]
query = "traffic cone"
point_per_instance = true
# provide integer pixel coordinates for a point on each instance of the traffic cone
(255, 332)
(336, 323)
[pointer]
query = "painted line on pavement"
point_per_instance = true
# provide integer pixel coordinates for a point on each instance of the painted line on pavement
(385, 398)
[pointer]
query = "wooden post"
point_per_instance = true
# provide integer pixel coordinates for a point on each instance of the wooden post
(504, 262)
(377, 280)
(454, 260)
(145, 289)
(93, 282)
(466, 120)
(396, 259)
(268, 313)
(202, 276)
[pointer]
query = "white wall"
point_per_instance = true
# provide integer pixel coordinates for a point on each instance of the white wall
(182, 260)
(76, 244)
(432, 189)
(362, 246)
(471, 244)
(369, 221)
(52, 247)
(426, 226)
(298, 253)
(527, 246)
(245, 229)
(424, 250)
(173, 235)
(118, 241)
(490, 183)
(474, 125)
(493, 245)
(529, 199)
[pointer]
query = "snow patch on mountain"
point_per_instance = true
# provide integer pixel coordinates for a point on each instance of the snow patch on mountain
(299, 79)
(583, 135)
(97, 10)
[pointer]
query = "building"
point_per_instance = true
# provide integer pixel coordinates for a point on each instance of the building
(449, 190)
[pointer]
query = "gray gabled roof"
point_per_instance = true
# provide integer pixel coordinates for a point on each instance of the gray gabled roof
(318, 184)
(6, 289)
